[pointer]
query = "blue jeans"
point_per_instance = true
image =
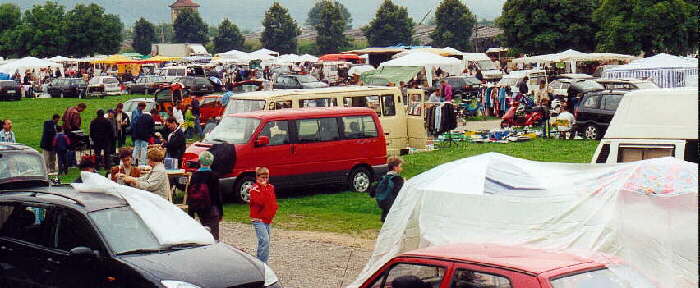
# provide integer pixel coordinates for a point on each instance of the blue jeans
(197, 126)
(140, 150)
(262, 231)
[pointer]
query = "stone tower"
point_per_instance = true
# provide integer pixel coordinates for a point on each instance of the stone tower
(180, 5)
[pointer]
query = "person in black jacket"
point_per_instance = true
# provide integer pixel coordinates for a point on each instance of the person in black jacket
(102, 135)
(175, 145)
(522, 86)
(141, 133)
(47, 142)
(210, 212)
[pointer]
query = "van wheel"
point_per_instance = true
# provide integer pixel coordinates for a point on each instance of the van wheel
(360, 179)
(592, 132)
(241, 190)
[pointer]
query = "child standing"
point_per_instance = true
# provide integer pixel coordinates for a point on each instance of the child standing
(61, 144)
(263, 207)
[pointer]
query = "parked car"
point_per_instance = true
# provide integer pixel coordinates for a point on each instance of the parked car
(652, 123)
(297, 81)
(487, 265)
(171, 73)
(55, 236)
(462, 86)
(573, 76)
(560, 87)
(9, 90)
(67, 87)
(194, 85)
(210, 106)
(103, 85)
(145, 84)
(301, 147)
(131, 104)
(626, 84)
(247, 86)
(595, 112)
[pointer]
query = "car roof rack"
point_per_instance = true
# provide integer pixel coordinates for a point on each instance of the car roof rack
(35, 192)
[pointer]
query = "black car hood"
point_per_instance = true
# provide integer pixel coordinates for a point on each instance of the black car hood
(217, 265)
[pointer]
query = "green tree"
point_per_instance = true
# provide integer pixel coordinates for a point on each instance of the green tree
(89, 30)
(228, 37)
(144, 36)
(454, 24)
(164, 33)
(649, 26)
(41, 32)
(190, 28)
(314, 15)
(330, 28)
(390, 26)
(548, 26)
(281, 30)
(10, 16)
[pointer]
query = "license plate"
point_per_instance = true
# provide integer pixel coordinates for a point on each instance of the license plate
(11, 91)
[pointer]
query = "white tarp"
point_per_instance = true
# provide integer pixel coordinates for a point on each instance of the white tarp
(429, 61)
(359, 69)
(308, 58)
(236, 55)
(169, 224)
(642, 212)
(27, 63)
(667, 71)
(263, 54)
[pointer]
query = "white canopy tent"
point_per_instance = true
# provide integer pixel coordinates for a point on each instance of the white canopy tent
(572, 56)
(61, 59)
(429, 61)
(667, 71)
(645, 212)
(235, 54)
(27, 63)
(308, 58)
(263, 54)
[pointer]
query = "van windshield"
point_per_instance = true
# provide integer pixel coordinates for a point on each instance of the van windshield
(233, 130)
(244, 105)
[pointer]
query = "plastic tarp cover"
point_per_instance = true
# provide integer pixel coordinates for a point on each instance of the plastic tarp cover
(386, 74)
(644, 213)
(169, 224)
(666, 71)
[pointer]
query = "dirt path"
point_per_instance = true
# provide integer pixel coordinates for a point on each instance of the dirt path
(304, 259)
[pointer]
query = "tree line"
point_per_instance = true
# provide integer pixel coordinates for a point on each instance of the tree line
(532, 27)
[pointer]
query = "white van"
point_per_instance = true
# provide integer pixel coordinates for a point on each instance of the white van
(652, 123)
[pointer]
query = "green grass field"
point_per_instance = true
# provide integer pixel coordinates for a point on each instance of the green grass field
(318, 209)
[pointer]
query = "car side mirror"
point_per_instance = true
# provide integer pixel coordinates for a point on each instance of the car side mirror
(262, 141)
(81, 252)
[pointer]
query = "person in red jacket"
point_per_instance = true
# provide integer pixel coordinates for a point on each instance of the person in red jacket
(263, 207)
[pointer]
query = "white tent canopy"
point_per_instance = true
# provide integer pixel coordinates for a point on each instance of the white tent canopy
(308, 58)
(429, 61)
(27, 63)
(235, 54)
(61, 59)
(645, 212)
(263, 54)
(359, 69)
(667, 71)
(573, 56)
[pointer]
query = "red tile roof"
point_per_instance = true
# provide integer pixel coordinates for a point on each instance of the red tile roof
(184, 4)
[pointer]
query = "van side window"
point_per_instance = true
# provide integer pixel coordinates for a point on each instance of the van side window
(592, 102)
(631, 153)
(25, 223)
(283, 104)
(610, 102)
(317, 130)
(357, 127)
(319, 102)
(389, 105)
(371, 102)
(414, 105)
(277, 131)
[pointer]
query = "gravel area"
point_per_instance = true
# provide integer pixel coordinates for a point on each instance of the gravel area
(303, 259)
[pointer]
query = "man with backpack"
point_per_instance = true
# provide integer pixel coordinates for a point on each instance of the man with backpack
(203, 196)
(388, 187)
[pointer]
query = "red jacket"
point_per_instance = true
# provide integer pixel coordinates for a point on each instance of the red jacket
(263, 202)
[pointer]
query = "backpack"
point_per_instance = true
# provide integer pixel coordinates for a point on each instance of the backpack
(384, 188)
(61, 143)
(198, 197)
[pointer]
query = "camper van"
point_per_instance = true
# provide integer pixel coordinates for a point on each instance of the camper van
(643, 128)
(402, 130)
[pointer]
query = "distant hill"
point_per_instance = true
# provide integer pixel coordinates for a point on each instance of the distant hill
(248, 14)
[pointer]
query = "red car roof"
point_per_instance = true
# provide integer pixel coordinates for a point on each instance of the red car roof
(305, 112)
(514, 257)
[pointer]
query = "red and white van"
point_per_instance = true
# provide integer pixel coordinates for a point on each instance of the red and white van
(301, 147)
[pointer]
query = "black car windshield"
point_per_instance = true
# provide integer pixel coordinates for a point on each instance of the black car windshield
(306, 79)
(588, 85)
(487, 65)
(618, 276)
(21, 165)
(124, 231)
(244, 105)
(233, 130)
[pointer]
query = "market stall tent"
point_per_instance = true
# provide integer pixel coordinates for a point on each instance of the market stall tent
(386, 74)
(340, 58)
(429, 61)
(27, 63)
(308, 58)
(645, 212)
(667, 71)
